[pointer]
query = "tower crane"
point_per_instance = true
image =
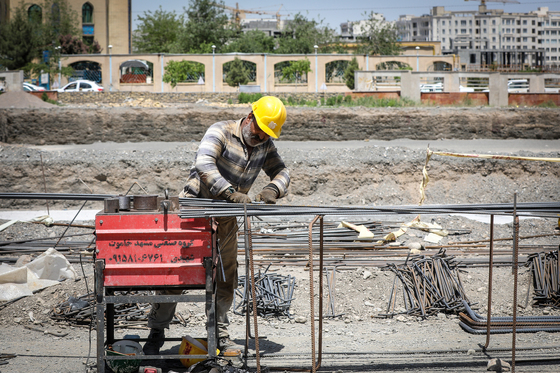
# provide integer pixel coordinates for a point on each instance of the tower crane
(239, 14)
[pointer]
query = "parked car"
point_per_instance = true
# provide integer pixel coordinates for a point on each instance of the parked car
(28, 87)
(518, 86)
(437, 87)
(81, 86)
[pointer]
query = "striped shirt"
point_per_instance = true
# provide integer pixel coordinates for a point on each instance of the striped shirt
(222, 161)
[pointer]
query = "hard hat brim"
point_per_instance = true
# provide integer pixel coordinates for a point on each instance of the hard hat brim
(265, 129)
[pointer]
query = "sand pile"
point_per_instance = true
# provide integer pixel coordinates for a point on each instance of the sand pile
(22, 100)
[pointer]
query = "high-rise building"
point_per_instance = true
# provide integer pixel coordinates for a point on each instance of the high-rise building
(492, 35)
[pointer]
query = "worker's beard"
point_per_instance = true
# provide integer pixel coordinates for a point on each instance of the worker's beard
(251, 139)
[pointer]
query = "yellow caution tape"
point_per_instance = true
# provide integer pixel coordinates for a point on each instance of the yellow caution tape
(429, 153)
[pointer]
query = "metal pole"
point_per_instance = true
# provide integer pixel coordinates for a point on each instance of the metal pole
(515, 271)
(316, 72)
(417, 59)
(213, 68)
(265, 77)
(490, 265)
(162, 73)
(110, 68)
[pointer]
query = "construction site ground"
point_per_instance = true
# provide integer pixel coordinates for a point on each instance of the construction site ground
(356, 173)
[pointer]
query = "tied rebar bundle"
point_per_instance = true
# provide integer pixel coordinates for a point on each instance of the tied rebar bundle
(81, 311)
(430, 285)
(273, 293)
(546, 278)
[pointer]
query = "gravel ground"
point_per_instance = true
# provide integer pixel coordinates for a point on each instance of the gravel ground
(348, 173)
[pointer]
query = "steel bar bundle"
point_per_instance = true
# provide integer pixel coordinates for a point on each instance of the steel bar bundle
(79, 311)
(546, 278)
(273, 293)
(57, 196)
(198, 207)
(473, 323)
(430, 285)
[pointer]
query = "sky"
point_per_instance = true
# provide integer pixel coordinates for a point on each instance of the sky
(335, 12)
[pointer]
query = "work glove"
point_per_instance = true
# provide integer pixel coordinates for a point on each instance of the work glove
(239, 198)
(268, 195)
(233, 196)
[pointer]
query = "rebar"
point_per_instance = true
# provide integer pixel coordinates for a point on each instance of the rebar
(430, 285)
(198, 207)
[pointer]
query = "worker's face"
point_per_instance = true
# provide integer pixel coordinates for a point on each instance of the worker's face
(252, 133)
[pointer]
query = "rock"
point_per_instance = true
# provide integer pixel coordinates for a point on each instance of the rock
(300, 320)
(366, 303)
(367, 274)
(498, 365)
(471, 352)
(415, 246)
(400, 318)
(23, 260)
(17, 319)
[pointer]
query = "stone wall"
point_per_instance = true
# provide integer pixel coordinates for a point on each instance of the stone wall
(82, 125)
(167, 97)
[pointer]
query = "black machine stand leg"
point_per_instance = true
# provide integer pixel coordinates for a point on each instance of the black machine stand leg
(212, 328)
(100, 308)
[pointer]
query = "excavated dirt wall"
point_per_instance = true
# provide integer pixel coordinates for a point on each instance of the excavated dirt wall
(81, 125)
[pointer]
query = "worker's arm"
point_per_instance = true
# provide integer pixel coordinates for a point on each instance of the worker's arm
(209, 150)
(277, 171)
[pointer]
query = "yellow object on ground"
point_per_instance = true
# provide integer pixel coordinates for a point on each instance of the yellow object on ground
(365, 234)
(192, 346)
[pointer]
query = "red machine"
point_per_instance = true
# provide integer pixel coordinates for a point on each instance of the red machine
(151, 247)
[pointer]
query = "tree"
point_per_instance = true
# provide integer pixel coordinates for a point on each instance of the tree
(349, 73)
(379, 38)
(206, 25)
(157, 32)
(180, 71)
(18, 42)
(71, 44)
(301, 35)
(237, 74)
(58, 19)
(253, 41)
(296, 70)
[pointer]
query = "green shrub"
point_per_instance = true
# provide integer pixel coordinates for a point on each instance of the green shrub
(548, 103)
(45, 97)
(248, 98)
(348, 99)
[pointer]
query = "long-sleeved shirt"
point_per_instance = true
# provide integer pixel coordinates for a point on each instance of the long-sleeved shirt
(222, 160)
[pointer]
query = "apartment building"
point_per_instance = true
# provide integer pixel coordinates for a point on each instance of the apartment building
(518, 38)
(109, 22)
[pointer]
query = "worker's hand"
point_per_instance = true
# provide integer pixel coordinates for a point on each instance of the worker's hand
(237, 197)
(268, 195)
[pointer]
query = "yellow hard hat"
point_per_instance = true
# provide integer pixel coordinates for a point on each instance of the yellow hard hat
(270, 114)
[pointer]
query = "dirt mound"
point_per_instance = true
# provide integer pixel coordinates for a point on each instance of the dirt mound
(22, 100)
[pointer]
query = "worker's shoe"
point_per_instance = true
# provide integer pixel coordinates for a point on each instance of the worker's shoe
(227, 345)
(155, 342)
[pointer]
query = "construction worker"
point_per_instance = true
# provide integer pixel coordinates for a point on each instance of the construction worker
(229, 159)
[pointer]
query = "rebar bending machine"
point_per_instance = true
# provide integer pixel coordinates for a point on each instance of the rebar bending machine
(143, 244)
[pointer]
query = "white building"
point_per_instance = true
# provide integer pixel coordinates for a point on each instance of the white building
(488, 30)
(355, 29)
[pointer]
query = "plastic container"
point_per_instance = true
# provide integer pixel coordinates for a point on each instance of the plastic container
(192, 346)
(123, 348)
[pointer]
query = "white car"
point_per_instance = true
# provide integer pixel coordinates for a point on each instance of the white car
(518, 86)
(28, 87)
(436, 87)
(81, 86)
